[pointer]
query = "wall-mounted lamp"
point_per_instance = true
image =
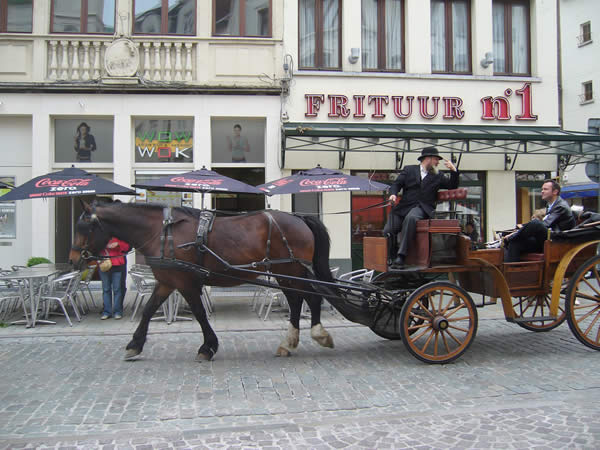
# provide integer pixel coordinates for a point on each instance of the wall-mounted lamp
(354, 55)
(487, 60)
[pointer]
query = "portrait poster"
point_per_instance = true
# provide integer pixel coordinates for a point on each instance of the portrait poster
(83, 140)
(164, 140)
(8, 213)
(238, 140)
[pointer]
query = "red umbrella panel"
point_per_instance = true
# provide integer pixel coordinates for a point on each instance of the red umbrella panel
(320, 180)
(71, 182)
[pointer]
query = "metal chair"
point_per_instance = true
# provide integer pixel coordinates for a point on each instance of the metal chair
(84, 286)
(144, 284)
(60, 290)
(10, 294)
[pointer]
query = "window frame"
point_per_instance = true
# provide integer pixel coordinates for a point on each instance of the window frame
(449, 40)
(585, 91)
(4, 18)
(82, 20)
(164, 21)
(508, 56)
(319, 38)
(242, 22)
(585, 30)
(382, 42)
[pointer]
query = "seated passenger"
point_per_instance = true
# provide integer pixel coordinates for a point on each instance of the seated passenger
(531, 236)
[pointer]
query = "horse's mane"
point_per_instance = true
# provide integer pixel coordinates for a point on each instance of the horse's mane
(186, 210)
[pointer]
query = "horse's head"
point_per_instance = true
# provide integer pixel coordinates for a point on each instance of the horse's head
(90, 237)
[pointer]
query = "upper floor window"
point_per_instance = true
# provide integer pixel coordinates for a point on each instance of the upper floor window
(585, 35)
(83, 16)
(16, 16)
(320, 34)
(588, 92)
(451, 36)
(164, 17)
(242, 18)
(383, 35)
(511, 37)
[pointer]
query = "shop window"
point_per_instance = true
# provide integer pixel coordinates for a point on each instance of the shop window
(511, 37)
(8, 222)
(250, 18)
(320, 34)
(585, 36)
(238, 140)
(16, 16)
(164, 140)
(240, 202)
(83, 16)
(177, 17)
(529, 194)
(450, 36)
(383, 35)
(83, 140)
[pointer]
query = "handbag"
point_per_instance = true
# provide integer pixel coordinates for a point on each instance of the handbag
(105, 264)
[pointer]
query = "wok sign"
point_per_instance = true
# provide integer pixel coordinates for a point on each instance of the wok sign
(164, 140)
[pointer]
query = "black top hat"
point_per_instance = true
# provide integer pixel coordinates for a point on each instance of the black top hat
(429, 151)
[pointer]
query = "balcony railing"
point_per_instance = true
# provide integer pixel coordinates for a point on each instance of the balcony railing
(83, 60)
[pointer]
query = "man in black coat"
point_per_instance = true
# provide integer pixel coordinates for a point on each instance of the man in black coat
(420, 185)
(531, 236)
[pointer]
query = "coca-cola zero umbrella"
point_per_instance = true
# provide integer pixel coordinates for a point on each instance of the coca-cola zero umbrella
(320, 180)
(71, 182)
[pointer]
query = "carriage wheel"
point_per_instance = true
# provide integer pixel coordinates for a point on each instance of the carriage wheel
(583, 303)
(387, 321)
(438, 322)
(539, 306)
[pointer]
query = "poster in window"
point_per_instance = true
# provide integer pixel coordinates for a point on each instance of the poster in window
(164, 140)
(238, 140)
(83, 140)
(8, 222)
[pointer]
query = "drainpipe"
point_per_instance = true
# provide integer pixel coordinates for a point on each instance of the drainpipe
(559, 81)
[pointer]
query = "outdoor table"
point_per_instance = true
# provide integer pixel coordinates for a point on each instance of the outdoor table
(29, 275)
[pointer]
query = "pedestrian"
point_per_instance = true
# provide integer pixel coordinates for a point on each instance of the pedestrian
(112, 288)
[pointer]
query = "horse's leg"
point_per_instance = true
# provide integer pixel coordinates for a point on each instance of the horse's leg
(291, 339)
(136, 345)
(317, 332)
(211, 343)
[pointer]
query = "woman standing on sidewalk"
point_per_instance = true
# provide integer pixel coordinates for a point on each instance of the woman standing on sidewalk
(112, 290)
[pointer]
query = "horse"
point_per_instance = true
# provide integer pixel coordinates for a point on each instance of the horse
(274, 241)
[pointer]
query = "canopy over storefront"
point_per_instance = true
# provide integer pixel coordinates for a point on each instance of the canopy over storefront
(570, 147)
(579, 190)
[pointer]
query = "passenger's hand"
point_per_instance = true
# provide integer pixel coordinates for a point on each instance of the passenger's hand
(392, 199)
(449, 165)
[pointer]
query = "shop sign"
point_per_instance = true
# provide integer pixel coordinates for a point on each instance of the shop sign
(379, 106)
(164, 141)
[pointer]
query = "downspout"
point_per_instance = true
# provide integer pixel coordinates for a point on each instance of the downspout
(559, 82)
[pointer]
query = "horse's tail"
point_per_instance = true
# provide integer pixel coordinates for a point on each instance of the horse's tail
(322, 246)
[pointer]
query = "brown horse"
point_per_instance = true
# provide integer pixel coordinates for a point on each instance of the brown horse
(279, 242)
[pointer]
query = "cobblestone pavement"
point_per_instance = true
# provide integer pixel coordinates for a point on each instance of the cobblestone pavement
(512, 389)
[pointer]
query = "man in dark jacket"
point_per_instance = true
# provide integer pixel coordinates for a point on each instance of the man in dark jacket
(420, 185)
(531, 236)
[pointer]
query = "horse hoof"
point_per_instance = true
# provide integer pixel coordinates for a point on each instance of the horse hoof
(282, 352)
(201, 357)
(326, 341)
(131, 353)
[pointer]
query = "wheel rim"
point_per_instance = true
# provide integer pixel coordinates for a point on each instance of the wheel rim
(438, 323)
(584, 305)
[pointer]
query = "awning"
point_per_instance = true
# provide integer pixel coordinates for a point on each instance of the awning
(579, 190)
(571, 147)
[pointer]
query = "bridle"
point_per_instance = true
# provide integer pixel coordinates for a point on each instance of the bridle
(84, 252)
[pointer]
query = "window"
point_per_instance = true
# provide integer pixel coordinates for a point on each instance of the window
(242, 18)
(383, 35)
(8, 222)
(450, 36)
(84, 16)
(83, 141)
(511, 37)
(588, 93)
(164, 17)
(16, 16)
(586, 33)
(320, 34)
(238, 140)
(164, 140)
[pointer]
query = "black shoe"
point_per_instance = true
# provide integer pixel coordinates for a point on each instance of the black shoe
(398, 262)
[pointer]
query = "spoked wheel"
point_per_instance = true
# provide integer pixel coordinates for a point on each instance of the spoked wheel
(386, 323)
(438, 322)
(583, 303)
(538, 306)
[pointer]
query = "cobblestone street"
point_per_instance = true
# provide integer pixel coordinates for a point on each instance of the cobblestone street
(512, 389)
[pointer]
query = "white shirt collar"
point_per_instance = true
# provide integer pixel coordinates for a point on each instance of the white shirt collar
(424, 172)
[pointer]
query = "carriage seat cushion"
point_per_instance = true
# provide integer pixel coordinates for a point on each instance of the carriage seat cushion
(532, 257)
(452, 194)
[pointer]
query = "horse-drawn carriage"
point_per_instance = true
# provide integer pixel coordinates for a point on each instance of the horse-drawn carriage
(428, 306)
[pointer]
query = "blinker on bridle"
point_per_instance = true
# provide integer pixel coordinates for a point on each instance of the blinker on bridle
(84, 251)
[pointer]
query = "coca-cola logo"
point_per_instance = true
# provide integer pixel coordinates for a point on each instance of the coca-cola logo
(326, 182)
(48, 182)
(282, 182)
(195, 181)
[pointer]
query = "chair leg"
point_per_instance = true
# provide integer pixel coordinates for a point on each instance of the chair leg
(65, 312)
(74, 305)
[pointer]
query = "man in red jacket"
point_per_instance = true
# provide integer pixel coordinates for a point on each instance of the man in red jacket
(420, 185)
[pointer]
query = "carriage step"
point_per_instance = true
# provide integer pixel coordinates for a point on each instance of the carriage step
(531, 319)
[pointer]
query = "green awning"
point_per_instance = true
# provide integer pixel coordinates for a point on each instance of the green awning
(571, 147)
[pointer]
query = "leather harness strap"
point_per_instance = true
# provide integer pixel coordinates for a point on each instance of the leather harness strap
(166, 237)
